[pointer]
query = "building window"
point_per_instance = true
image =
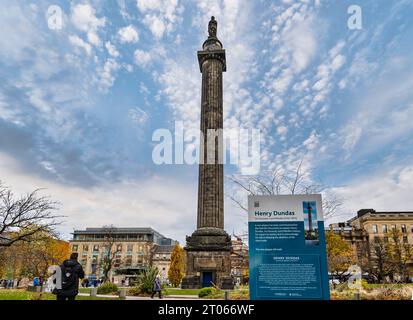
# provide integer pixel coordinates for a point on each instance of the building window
(386, 239)
(96, 248)
(119, 247)
(384, 228)
(404, 229)
(393, 227)
(376, 239)
(411, 228)
(74, 248)
(374, 227)
(85, 247)
(405, 240)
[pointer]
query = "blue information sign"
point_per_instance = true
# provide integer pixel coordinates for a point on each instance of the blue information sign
(287, 248)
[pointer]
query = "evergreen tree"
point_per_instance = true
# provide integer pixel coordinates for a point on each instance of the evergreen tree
(177, 266)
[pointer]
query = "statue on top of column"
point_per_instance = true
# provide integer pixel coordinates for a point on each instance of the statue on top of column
(212, 28)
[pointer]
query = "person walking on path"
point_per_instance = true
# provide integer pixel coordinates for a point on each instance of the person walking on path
(157, 287)
(72, 271)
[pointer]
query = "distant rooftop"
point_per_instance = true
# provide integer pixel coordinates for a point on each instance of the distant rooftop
(127, 234)
(164, 249)
(116, 230)
(363, 212)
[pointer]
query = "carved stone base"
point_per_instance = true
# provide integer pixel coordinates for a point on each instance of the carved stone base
(191, 282)
(208, 259)
(208, 239)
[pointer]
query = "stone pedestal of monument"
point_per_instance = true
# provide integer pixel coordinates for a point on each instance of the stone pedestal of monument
(208, 263)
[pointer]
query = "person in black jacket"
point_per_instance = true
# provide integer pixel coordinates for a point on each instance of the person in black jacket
(72, 271)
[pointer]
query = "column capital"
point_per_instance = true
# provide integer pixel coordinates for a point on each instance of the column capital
(215, 54)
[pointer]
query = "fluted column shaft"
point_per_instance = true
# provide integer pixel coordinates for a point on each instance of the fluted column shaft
(211, 183)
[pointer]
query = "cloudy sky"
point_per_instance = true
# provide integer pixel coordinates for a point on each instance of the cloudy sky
(79, 104)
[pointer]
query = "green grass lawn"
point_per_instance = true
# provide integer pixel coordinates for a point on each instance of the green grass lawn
(25, 295)
(180, 292)
(241, 293)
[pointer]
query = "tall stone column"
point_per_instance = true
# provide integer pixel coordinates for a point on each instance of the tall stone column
(208, 248)
(211, 183)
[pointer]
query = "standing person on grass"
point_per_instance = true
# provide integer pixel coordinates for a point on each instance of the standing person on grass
(72, 271)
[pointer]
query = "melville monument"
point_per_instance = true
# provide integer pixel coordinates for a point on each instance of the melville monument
(208, 249)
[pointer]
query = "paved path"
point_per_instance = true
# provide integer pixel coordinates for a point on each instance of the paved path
(180, 297)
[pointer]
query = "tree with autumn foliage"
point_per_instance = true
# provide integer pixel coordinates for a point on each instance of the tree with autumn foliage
(32, 259)
(400, 253)
(340, 255)
(177, 266)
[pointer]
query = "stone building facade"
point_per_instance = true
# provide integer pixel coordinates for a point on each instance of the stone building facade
(133, 247)
(161, 259)
(239, 261)
(370, 226)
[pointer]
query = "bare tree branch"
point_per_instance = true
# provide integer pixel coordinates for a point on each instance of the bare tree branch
(110, 251)
(277, 182)
(25, 217)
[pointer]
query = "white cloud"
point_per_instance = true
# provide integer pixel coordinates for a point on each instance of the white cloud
(142, 58)
(145, 5)
(155, 24)
(49, 82)
(76, 41)
(181, 86)
(302, 44)
(160, 16)
(93, 39)
(383, 115)
(138, 116)
(106, 73)
(111, 49)
(388, 189)
(123, 11)
(312, 141)
(84, 18)
(128, 34)
(128, 67)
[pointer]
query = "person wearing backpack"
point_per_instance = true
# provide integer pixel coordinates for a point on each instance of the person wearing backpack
(72, 271)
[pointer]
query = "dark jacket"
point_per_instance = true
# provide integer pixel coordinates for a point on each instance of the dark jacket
(157, 285)
(71, 288)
